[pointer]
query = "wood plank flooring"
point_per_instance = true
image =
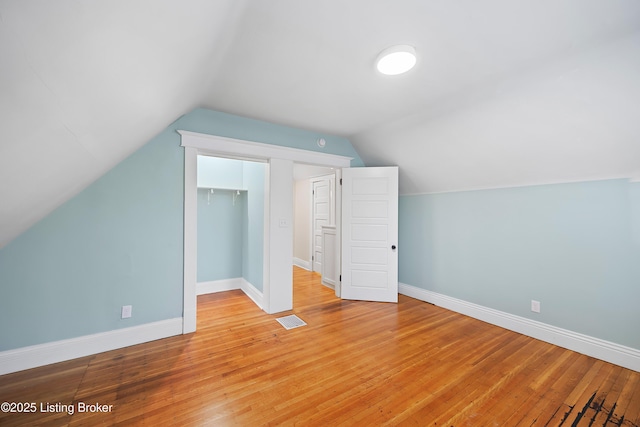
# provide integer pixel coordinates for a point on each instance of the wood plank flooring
(355, 363)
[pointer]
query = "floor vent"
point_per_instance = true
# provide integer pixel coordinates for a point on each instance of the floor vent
(290, 322)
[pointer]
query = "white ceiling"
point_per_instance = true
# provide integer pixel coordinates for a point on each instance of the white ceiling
(504, 93)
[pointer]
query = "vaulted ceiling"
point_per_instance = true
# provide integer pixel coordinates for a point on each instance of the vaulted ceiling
(505, 93)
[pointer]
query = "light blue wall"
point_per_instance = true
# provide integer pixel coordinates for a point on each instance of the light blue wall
(253, 242)
(222, 124)
(220, 226)
(119, 241)
(215, 172)
(573, 247)
(231, 238)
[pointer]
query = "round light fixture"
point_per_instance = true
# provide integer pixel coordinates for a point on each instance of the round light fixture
(396, 60)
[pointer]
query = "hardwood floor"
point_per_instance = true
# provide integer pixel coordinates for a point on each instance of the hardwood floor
(355, 363)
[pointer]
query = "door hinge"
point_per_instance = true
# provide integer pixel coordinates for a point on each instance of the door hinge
(340, 181)
(340, 278)
(312, 258)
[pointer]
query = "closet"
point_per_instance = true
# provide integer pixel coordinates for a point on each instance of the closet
(230, 224)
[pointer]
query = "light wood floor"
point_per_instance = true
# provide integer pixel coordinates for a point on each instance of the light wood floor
(356, 363)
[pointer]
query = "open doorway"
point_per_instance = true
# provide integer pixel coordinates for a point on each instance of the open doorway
(367, 191)
(278, 232)
(314, 211)
(230, 225)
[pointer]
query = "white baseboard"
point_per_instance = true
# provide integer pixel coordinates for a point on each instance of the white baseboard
(610, 352)
(219, 286)
(230, 285)
(59, 351)
(302, 263)
(253, 293)
(331, 284)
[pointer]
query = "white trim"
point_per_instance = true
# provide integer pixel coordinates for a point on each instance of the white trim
(338, 224)
(310, 230)
(302, 263)
(329, 278)
(278, 295)
(329, 285)
(266, 241)
(217, 145)
(230, 285)
(197, 143)
(253, 293)
(190, 245)
(59, 351)
(219, 285)
(605, 350)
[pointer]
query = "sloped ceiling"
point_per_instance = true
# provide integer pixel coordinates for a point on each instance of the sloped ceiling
(504, 93)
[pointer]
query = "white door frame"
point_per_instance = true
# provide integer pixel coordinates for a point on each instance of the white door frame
(202, 144)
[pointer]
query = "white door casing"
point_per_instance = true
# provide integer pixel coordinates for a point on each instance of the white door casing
(202, 144)
(370, 234)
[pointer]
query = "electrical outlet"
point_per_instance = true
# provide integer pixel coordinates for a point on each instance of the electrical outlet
(126, 311)
(535, 306)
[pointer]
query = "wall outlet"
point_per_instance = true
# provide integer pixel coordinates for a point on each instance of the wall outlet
(126, 311)
(535, 306)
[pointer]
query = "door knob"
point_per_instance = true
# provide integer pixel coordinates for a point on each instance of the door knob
(393, 247)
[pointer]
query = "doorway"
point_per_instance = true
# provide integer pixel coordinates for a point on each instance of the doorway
(230, 225)
(314, 215)
(278, 231)
(323, 214)
(314, 206)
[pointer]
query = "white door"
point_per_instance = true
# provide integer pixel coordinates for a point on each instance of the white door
(370, 234)
(322, 208)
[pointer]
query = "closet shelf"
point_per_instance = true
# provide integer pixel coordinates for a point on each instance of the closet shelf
(224, 188)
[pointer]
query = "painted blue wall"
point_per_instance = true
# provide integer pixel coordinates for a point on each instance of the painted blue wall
(253, 242)
(222, 124)
(215, 172)
(573, 247)
(231, 237)
(120, 241)
(220, 227)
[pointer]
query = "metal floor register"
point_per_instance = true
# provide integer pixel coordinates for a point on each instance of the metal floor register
(290, 322)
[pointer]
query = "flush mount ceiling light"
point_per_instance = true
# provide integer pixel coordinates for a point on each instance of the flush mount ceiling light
(396, 60)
